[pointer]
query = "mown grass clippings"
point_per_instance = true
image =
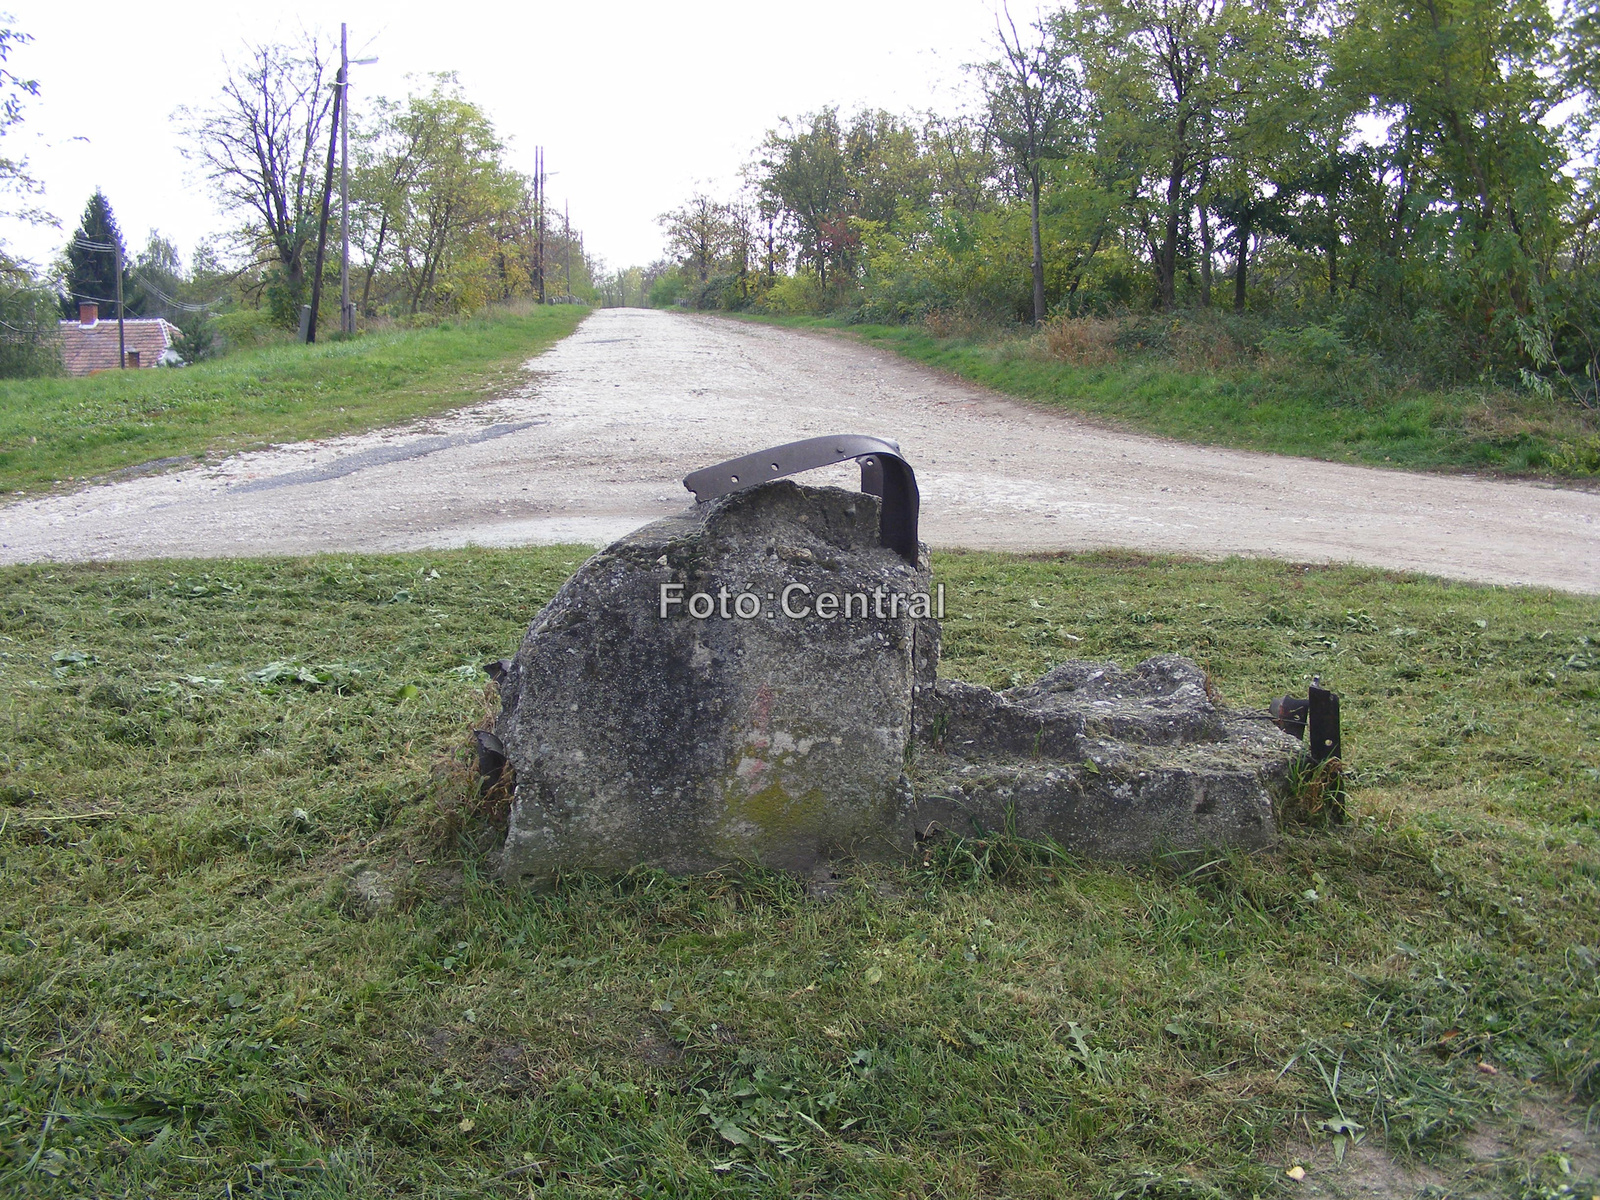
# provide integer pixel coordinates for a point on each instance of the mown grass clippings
(250, 938)
(60, 432)
(1194, 388)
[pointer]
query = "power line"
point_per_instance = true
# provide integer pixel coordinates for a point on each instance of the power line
(116, 250)
(181, 305)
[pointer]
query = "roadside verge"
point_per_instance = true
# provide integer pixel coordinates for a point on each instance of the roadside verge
(60, 433)
(1347, 413)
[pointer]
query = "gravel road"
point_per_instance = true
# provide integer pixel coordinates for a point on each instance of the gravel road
(619, 412)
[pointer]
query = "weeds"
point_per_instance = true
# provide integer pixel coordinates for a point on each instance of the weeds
(1004, 856)
(1079, 341)
(1316, 793)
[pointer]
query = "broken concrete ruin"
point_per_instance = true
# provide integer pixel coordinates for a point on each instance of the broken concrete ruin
(754, 681)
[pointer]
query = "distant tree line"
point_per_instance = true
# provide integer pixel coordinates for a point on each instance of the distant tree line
(440, 222)
(1416, 176)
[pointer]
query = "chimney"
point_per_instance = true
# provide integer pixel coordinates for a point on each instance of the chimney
(133, 358)
(88, 313)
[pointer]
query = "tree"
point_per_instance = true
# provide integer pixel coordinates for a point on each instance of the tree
(14, 177)
(447, 203)
(958, 157)
(90, 272)
(27, 327)
(1466, 217)
(1031, 97)
(1466, 86)
(699, 234)
(885, 167)
(804, 171)
(206, 271)
(744, 238)
(12, 86)
(28, 331)
(387, 164)
(820, 179)
(259, 146)
(158, 277)
(440, 222)
(1152, 67)
(718, 246)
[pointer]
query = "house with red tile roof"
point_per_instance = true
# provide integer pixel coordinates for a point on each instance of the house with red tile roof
(89, 344)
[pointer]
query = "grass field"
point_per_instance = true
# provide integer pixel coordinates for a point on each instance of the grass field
(59, 430)
(248, 944)
(1345, 415)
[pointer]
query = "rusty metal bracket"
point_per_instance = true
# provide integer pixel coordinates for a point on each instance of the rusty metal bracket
(1322, 723)
(1315, 718)
(1289, 714)
(884, 473)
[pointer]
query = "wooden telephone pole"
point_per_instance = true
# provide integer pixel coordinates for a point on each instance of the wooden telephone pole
(327, 197)
(122, 342)
(347, 319)
(538, 216)
(566, 226)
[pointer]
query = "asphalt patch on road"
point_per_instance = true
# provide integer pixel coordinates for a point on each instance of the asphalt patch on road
(153, 466)
(379, 456)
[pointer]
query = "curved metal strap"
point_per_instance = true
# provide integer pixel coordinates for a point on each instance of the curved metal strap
(884, 473)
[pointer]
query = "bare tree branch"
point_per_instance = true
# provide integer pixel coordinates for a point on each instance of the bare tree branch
(257, 146)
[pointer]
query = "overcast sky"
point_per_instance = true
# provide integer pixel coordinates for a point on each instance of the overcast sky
(636, 104)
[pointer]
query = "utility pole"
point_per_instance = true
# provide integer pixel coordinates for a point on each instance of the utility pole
(347, 321)
(347, 311)
(327, 196)
(538, 215)
(122, 345)
(566, 225)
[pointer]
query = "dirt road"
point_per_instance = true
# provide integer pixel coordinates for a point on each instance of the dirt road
(619, 412)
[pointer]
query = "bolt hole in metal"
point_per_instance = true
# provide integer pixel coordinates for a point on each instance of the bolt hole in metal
(775, 467)
(735, 478)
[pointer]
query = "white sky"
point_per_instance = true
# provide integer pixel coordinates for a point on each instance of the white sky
(635, 103)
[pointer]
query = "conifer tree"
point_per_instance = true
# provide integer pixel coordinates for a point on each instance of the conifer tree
(91, 274)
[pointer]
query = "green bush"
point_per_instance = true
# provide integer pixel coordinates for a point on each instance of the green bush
(794, 295)
(29, 338)
(1315, 346)
(668, 290)
(1581, 457)
(248, 328)
(197, 338)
